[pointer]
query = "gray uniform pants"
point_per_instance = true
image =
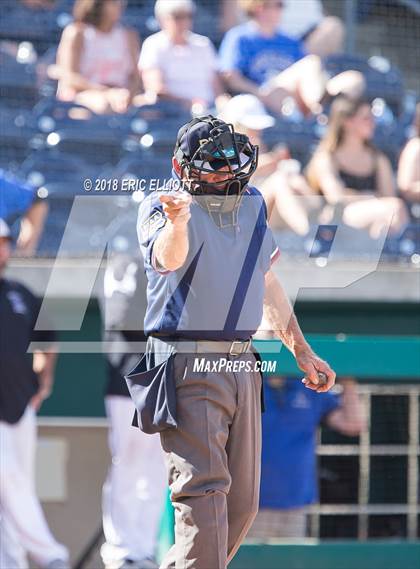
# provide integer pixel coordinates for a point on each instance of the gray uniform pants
(213, 460)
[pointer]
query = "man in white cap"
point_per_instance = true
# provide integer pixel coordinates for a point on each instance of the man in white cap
(23, 528)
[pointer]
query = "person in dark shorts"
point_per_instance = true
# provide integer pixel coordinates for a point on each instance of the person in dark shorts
(25, 381)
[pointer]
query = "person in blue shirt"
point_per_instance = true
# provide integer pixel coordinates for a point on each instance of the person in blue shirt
(289, 465)
(20, 201)
(208, 254)
(255, 57)
(258, 56)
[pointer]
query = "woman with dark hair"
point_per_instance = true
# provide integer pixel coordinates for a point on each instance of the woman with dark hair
(409, 164)
(97, 58)
(348, 169)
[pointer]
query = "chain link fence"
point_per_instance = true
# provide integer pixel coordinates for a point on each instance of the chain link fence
(389, 28)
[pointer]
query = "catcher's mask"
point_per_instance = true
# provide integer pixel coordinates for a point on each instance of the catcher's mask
(207, 145)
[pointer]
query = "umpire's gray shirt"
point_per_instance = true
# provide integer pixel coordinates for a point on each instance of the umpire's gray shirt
(218, 293)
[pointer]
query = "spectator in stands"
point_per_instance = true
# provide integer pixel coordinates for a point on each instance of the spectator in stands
(409, 164)
(303, 20)
(347, 169)
(288, 476)
(25, 381)
(256, 58)
(97, 58)
(277, 177)
(20, 200)
(176, 63)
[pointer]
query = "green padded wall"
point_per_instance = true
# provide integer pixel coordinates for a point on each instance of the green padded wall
(350, 555)
(390, 351)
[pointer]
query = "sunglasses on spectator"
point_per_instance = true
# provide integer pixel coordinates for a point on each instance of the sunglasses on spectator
(182, 16)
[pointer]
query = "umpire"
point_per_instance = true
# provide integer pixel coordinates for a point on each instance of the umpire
(208, 254)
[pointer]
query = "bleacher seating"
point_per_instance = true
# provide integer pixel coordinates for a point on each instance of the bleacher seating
(95, 138)
(18, 85)
(301, 137)
(49, 166)
(390, 139)
(40, 26)
(17, 130)
(56, 145)
(405, 245)
(143, 164)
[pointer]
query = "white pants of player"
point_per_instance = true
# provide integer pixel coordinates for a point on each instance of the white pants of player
(23, 528)
(135, 489)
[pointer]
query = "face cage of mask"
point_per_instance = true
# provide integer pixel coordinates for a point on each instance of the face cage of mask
(221, 204)
(228, 187)
(224, 144)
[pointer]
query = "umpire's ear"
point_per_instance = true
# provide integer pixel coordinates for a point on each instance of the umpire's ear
(135, 422)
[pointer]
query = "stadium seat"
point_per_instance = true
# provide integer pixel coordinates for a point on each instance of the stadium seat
(18, 83)
(390, 139)
(207, 22)
(17, 130)
(143, 165)
(95, 138)
(93, 224)
(300, 137)
(154, 127)
(40, 26)
(162, 109)
(140, 16)
(161, 138)
(382, 79)
(52, 114)
(44, 167)
(404, 246)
